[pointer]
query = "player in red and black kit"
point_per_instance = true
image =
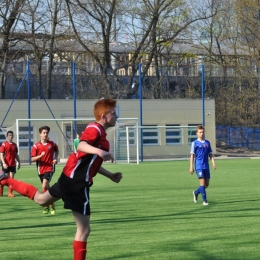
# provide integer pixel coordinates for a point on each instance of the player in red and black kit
(45, 154)
(9, 156)
(77, 176)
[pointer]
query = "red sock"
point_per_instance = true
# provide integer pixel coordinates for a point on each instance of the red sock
(1, 190)
(23, 188)
(80, 250)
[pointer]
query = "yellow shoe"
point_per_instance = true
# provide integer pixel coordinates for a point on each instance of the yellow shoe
(52, 209)
(46, 210)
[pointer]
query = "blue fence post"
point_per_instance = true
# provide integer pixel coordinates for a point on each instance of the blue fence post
(74, 98)
(141, 109)
(247, 137)
(202, 94)
(228, 135)
(29, 110)
(117, 156)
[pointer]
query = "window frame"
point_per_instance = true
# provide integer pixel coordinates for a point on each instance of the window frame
(150, 129)
(24, 132)
(192, 136)
(174, 129)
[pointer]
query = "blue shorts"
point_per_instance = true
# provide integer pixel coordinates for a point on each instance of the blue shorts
(203, 173)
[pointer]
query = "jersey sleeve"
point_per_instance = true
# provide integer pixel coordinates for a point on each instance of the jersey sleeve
(2, 148)
(192, 148)
(91, 134)
(34, 151)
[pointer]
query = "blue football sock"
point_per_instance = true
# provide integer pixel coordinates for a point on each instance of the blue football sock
(197, 191)
(203, 193)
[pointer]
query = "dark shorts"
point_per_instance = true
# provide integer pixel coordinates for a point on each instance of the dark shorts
(46, 176)
(9, 169)
(74, 193)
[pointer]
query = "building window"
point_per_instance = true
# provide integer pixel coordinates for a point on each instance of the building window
(173, 134)
(2, 136)
(192, 132)
(150, 135)
(25, 137)
(131, 135)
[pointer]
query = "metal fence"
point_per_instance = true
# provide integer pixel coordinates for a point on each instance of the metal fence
(170, 82)
(239, 136)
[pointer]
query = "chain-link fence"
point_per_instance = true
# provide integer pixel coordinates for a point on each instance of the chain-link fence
(163, 82)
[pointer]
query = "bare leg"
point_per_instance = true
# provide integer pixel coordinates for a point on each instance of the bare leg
(83, 226)
(44, 199)
(10, 190)
(82, 233)
(45, 185)
(28, 190)
(206, 183)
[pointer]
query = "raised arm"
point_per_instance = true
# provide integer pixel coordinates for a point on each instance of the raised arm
(115, 177)
(87, 148)
(36, 158)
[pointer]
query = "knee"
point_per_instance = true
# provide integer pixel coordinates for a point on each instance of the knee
(87, 232)
(82, 235)
(40, 199)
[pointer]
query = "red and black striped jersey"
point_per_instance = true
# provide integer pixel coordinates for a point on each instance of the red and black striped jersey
(45, 163)
(10, 151)
(83, 166)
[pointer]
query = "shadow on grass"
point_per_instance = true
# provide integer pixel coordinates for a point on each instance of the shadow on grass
(48, 225)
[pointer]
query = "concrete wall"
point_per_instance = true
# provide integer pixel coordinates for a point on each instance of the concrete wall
(155, 112)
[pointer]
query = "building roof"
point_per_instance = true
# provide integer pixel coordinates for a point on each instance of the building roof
(71, 45)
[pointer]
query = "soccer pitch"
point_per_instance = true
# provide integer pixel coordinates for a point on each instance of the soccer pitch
(149, 215)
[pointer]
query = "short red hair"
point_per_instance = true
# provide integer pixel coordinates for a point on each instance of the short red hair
(103, 106)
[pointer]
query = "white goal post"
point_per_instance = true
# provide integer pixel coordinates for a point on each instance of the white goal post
(129, 142)
(123, 138)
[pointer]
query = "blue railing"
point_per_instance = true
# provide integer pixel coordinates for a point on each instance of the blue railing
(239, 136)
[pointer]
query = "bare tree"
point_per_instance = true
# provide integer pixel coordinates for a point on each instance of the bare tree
(40, 21)
(148, 24)
(9, 12)
(230, 43)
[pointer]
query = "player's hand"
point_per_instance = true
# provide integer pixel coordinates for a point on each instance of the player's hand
(42, 154)
(116, 177)
(191, 170)
(18, 166)
(55, 161)
(5, 166)
(214, 166)
(106, 156)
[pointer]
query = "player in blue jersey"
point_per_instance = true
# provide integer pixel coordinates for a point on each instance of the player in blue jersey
(200, 154)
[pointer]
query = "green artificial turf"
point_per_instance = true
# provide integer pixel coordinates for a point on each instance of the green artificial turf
(149, 215)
